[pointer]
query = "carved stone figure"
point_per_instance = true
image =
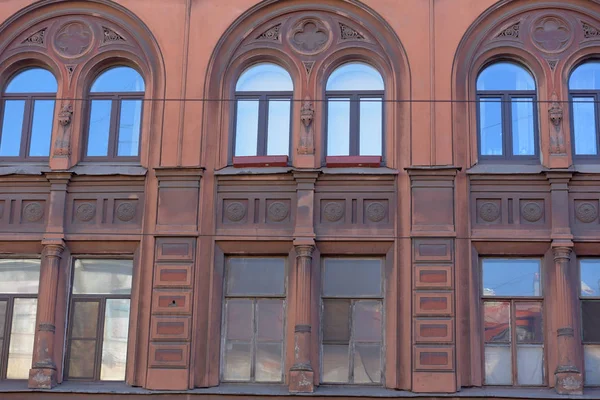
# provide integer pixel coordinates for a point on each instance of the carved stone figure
(307, 114)
(65, 114)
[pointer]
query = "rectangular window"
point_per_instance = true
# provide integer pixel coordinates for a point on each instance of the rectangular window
(254, 319)
(19, 281)
(99, 319)
(584, 126)
(352, 321)
(589, 270)
(513, 322)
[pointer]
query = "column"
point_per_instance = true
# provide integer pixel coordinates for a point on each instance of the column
(43, 373)
(569, 379)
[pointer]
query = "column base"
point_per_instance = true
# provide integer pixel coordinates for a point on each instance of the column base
(301, 381)
(569, 383)
(42, 378)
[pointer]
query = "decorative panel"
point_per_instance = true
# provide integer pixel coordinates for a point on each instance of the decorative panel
(24, 205)
(434, 358)
(434, 330)
(169, 355)
(170, 328)
(178, 191)
(584, 209)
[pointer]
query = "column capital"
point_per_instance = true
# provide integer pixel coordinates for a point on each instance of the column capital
(562, 253)
(53, 248)
(304, 250)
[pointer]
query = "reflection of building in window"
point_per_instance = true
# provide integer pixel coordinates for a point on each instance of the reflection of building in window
(589, 270)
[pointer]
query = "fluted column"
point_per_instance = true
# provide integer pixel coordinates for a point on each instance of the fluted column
(43, 372)
(568, 376)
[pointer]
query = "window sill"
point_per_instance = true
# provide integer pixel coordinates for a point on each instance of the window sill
(499, 169)
(353, 161)
(260, 161)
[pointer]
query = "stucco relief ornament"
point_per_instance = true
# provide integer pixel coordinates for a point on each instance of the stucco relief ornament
(73, 40)
(347, 33)
(126, 211)
(65, 114)
(235, 211)
(333, 211)
(310, 36)
(110, 36)
(376, 212)
(586, 212)
(307, 114)
(271, 34)
(589, 31)
(33, 212)
(489, 212)
(557, 139)
(85, 212)
(37, 39)
(551, 34)
(278, 211)
(532, 212)
(512, 32)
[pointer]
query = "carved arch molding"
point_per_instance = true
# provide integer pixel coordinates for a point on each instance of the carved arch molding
(548, 37)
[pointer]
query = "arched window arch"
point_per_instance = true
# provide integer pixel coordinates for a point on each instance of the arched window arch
(115, 115)
(27, 115)
(354, 94)
(507, 118)
(584, 90)
(263, 94)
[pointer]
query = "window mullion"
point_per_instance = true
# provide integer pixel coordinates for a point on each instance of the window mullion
(26, 128)
(354, 125)
(7, 333)
(513, 340)
(113, 133)
(507, 128)
(99, 337)
(263, 115)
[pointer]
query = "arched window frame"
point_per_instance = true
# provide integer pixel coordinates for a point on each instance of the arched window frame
(584, 93)
(29, 98)
(506, 99)
(116, 98)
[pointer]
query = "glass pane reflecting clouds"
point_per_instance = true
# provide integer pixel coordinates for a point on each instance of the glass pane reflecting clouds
(511, 277)
(12, 128)
(239, 319)
(129, 128)
(490, 126)
(355, 76)
(22, 334)
(246, 129)
(19, 276)
(269, 365)
(522, 127)
(371, 125)
(95, 276)
(351, 277)
(33, 80)
(498, 365)
(265, 77)
(114, 345)
(497, 322)
(367, 363)
(584, 126)
(41, 128)
(591, 354)
(336, 365)
(590, 277)
(367, 321)
(505, 76)
(255, 276)
(269, 314)
(530, 365)
(586, 76)
(99, 128)
(237, 361)
(530, 328)
(338, 127)
(118, 79)
(278, 131)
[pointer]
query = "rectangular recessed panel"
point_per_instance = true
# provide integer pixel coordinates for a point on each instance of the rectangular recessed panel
(172, 302)
(174, 249)
(167, 275)
(169, 355)
(433, 277)
(433, 250)
(433, 330)
(433, 303)
(170, 328)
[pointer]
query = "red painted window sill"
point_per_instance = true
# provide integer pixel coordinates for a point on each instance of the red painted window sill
(353, 161)
(260, 161)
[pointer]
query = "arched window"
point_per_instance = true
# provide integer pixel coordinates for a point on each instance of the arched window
(263, 96)
(115, 115)
(27, 115)
(507, 122)
(584, 89)
(355, 111)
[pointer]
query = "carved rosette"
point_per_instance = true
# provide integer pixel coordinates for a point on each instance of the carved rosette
(309, 36)
(235, 211)
(376, 212)
(551, 34)
(73, 39)
(532, 212)
(85, 212)
(126, 211)
(333, 211)
(586, 212)
(33, 212)
(278, 211)
(489, 212)
(512, 32)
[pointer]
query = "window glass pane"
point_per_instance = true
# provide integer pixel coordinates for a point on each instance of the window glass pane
(129, 128)
(3, 306)
(41, 128)
(350, 277)
(336, 321)
(590, 277)
(367, 321)
(114, 345)
(590, 319)
(522, 127)
(591, 354)
(12, 128)
(237, 361)
(505, 76)
(239, 319)
(278, 132)
(367, 363)
(264, 77)
(268, 362)
(336, 365)
(99, 128)
(497, 322)
(33, 80)
(498, 365)
(102, 276)
(530, 365)
(490, 126)
(355, 76)
(85, 320)
(338, 127)
(22, 335)
(81, 359)
(586, 76)
(246, 128)
(584, 126)
(19, 275)
(255, 276)
(529, 322)
(371, 126)
(118, 79)
(269, 320)
(511, 277)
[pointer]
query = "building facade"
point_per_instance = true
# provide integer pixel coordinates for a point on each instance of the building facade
(348, 198)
